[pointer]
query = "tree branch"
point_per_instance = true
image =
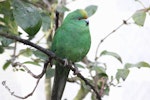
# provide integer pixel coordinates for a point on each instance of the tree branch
(51, 56)
(86, 82)
(27, 42)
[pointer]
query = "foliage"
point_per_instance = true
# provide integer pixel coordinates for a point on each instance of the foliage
(140, 15)
(33, 15)
(91, 10)
(27, 17)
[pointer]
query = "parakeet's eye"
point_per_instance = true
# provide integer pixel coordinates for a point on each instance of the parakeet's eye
(87, 22)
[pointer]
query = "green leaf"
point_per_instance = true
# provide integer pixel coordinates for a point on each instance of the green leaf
(139, 17)
(93, 96)
(6, 65)
(9, 25)
(142, 64)
(5, 7)
(91, 10)
(111, 78)
(22, 70)
(1, 49)
(31, 62)
(98, 69)
(50, 72)
(6, 42)
(26, 52)
(82, 92)
(122, 74)
(40, 54)
(45, 21)
(62, 9)
(79, 65)
(3, 28)
(138, 65)
(111, 54)
(100, 75)
(27, 17)
(128, 65)
(106, 90)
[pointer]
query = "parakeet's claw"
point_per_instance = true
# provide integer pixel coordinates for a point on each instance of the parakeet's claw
(51, 62)
(66, 62)
(76, 70)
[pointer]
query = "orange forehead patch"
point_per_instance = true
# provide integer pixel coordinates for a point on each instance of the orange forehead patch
(84, 13)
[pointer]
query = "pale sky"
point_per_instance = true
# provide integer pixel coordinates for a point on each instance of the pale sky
(131, 42)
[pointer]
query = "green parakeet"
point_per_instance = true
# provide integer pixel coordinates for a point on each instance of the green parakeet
(71, 41)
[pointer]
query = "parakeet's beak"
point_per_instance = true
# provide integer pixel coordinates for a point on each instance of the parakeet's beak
(87, 22)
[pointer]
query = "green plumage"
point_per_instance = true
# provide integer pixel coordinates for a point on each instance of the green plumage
(72, 42)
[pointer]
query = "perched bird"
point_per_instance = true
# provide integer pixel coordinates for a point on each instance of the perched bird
(71, 41)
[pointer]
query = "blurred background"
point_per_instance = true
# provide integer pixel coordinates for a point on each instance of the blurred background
(130, 41)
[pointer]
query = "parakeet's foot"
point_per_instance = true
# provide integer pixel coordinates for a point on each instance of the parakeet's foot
(76, 70)
(66, 62)
(51, 62)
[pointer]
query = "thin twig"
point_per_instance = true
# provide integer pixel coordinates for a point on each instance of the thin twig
(40, 39)
(103, 81)
(15, 47)
(14, 53)
(30, 94)
(141, 3)
(102, 40)
(35, 76)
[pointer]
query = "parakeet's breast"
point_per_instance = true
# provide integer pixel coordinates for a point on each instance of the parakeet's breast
(72, 41)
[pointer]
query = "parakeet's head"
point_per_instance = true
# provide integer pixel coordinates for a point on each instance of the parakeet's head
(77, 14)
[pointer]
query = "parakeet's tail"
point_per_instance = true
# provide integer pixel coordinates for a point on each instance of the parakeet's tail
(61, 75)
